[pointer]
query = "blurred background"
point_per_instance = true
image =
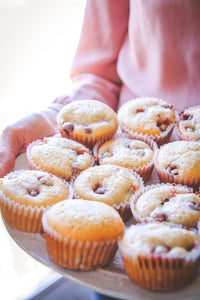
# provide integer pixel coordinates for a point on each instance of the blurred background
(38, 41)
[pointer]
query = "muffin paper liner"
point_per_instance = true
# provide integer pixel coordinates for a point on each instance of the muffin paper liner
(21, 217)
(75, 254)
(145, 170)
(160, 139)
(158, 273)
(180, 135)
(166, 176)
(134, 198)
(33, 166)
(124, 208)
(87, 141)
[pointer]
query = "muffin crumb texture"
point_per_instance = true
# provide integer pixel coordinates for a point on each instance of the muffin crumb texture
(169, 203)
(159, 239)
(85, 220)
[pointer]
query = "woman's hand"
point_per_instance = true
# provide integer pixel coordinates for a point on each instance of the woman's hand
(16, 137)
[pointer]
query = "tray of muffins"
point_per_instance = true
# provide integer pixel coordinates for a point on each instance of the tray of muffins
(113, 201)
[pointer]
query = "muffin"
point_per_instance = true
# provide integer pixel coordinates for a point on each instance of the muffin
(59, 156)
(188, 124)
(167, 203)
(149, 117)
(82, 235)
(128, 153)
(179, 162)
(109, 184)
(87, 121)
(160, 257)
(25, 195)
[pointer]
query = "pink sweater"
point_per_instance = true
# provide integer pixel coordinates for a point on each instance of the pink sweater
(138, 48)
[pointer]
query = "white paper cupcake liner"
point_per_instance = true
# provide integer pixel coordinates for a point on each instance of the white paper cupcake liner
(88, 141)
(21, 217)
(161, 274)
(76, 254)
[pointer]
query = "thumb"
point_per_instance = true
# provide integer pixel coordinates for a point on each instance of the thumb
(9, 148)
(7, 160)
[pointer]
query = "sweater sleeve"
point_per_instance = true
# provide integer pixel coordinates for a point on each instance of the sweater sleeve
(94, 69)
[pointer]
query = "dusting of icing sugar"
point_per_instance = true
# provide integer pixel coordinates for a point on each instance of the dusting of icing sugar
(118, 184)
(184, 155)
(75, 212)
(124, 151)
(141, 239)
(58, 155)
(86, 112)
(189, 124)
(31, 187)
(145, 115)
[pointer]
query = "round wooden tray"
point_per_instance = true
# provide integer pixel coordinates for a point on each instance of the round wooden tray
(111, 280)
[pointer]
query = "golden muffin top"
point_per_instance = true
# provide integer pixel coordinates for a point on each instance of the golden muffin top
(87, 118)
(83, 220)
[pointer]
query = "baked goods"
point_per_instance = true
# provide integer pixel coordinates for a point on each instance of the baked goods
(87, 121)
(59, 156)
(188, 124)
(128, 153)
(149, 117)
(110, 184)
(160, 257)
(25, 195)
(179, 162)
(167, 203)
(81, 234)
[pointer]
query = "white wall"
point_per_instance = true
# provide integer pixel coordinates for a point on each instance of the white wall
(38, 40)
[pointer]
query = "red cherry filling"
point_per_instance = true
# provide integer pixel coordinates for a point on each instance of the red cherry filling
(81, 151)
(99, 189)
(68, 128)
(172, 169)
(190, 128)
(139, 110)
(166, 106)
(87, 130)
(194, 206)
(133, 189)
(160, 249)
(185, 117)
(160, 217)
(33, 191)
(163, 124)
(164, 201)
(191, 247)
